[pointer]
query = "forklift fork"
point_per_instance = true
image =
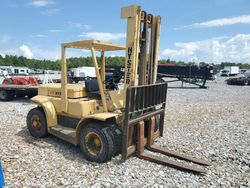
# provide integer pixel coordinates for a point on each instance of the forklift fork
(153, 147)
(149, 143)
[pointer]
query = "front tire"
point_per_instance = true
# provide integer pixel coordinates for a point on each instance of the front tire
(36, 123)
(96, 143)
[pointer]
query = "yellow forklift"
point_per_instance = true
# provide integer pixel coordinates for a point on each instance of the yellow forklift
(105, 122)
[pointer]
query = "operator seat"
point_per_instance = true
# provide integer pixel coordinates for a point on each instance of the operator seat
(92, 88)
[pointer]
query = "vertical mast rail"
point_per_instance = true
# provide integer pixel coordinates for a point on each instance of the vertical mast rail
(64, 94)
(133, 16)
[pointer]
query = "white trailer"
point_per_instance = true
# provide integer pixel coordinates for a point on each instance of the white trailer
(232, 70)
(83, 72)
(16, 70)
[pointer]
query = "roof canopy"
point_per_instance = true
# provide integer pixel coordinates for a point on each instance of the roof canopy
(96, 44)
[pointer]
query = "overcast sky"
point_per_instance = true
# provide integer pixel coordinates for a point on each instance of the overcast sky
(191, 30)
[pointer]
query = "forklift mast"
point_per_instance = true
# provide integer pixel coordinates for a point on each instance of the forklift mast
(143, 34)
(145, 101)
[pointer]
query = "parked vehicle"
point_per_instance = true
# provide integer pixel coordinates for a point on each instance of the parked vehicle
(5, 71)
(247, 74)
(81, 74)
(37, 71)
(242, 71)
(18, 86)
(16, 70)
(232, 70)
(224, 73)
(238, 81)
(243, 80)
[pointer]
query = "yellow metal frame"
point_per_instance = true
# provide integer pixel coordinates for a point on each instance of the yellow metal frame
(49, 109)
(133, 16)
(65, 100)
(93, 46)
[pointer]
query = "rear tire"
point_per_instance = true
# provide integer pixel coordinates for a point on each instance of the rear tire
(36, 123)
(96, 143)
(6, 95)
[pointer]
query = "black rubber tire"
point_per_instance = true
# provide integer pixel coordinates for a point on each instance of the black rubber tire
(116, 134)
(42, 132)
(107, 147)
(7, 95)
(3, 95)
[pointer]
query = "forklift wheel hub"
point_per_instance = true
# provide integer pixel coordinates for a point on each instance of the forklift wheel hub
(36, 122)
(93, 143)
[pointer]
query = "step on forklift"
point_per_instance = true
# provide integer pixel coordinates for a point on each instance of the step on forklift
(105, 122)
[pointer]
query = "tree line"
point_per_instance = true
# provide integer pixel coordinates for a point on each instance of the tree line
(11, 60)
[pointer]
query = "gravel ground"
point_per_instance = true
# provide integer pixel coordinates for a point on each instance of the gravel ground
(212, 124)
